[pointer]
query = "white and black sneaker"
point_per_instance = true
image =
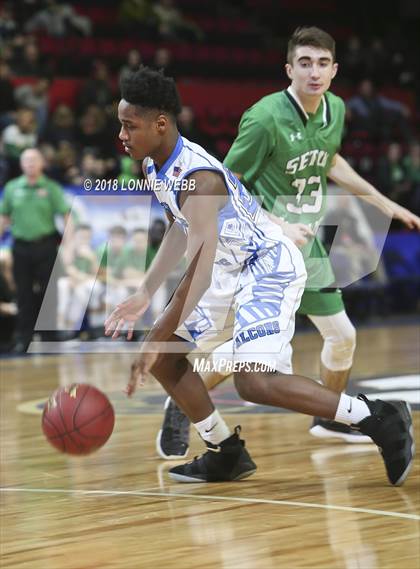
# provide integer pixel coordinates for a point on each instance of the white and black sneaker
(326, 429)
(225, 462)
(390, 426)
(173, 439)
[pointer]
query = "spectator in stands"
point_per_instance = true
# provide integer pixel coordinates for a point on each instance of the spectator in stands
(353, 60)
(59, 19)
(111, 260)
(412, 167)
(130, 170)
(162, 60)
(91, 168)
(61, 126)
(137, 16)
(377, 61)
(187, 127)
(133, 263)
(8, 25)
(94, 133)
(66, 163)
(17, 137)
(30, 204)
(391, 173)
(132, 63)
(7, 97)
(377, 116)
(96, 90)
(35, 96)
(77, 290)
(172, 25)
(28, 62)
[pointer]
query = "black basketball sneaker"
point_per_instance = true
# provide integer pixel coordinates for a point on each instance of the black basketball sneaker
(390, 427)
(225, 462)
(172, 442)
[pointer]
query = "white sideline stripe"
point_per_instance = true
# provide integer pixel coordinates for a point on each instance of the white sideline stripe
(395, 382)
(215, 498)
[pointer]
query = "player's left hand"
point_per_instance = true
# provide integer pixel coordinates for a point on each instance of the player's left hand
(141, 367)
(411, 220)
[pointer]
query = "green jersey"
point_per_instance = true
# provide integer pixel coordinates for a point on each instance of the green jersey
(32, 207)
(131, 258)
(110, 260)
(284, 154)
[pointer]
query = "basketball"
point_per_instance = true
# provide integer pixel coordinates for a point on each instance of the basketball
(78, 419)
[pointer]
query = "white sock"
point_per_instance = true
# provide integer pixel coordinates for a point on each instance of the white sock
(351, 410)
(213, 429)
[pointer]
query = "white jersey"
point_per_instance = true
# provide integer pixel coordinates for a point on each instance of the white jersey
(245, 231)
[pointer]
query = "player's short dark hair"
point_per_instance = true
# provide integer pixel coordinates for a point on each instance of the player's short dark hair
(310, 36)
(151, 89)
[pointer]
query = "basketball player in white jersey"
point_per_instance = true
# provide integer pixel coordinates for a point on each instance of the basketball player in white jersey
(238, 261)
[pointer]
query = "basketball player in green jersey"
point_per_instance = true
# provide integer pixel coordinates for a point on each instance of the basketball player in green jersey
(286, 149)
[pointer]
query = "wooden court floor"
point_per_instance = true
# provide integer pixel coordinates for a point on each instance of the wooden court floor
(311, 503)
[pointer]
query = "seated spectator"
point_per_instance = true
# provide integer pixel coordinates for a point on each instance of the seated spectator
(132, 265)
(66, 164)
(137, 13)
(95, 134)
(188, 128)
(132, 63)
(91, 168)
(376, 115)
(391, 173)
(17, 137)
(412, 168)
(77, 290)
(172, 25)
(130, 170)
(28, 62)
(59, 19)
(60, 127)
(35, 96)
(8, 24)
(162, 60)
(377, 61)
(7, 97)
(352, 61)
(111, 260)
(96, 90)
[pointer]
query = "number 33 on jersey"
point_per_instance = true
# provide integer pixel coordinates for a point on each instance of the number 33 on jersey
(285, 153)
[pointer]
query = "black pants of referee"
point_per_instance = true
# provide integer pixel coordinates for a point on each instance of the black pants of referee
(33, 263)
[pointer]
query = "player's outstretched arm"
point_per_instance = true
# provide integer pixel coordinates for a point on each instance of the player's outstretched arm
(200, 210)
(168, 256)
(343, 175)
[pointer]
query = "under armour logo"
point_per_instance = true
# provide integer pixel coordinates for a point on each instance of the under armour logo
(296, 136)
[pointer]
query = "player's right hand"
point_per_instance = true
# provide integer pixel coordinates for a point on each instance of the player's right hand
(126, 314)
(299, 233)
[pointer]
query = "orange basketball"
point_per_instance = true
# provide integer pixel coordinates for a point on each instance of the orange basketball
(78, 419)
